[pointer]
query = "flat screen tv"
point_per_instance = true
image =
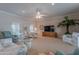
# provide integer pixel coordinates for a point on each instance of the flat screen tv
(49, 28)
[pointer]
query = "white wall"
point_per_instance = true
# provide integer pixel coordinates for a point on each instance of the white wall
(7, 19)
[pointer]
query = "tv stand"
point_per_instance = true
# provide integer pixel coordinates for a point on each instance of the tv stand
(49, 34)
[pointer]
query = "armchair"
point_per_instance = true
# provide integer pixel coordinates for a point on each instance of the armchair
(72, 39)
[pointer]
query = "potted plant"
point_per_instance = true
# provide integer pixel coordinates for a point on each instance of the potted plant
(67, 22)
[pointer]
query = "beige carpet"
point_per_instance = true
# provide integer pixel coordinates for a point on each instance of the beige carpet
(46, 44)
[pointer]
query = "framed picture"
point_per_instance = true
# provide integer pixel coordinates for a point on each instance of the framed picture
(41, 27)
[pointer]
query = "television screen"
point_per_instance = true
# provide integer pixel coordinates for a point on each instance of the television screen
(49, 28)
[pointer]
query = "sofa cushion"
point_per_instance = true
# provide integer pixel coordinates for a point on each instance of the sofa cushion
(7, 34)
(6, 42)
(1, 35)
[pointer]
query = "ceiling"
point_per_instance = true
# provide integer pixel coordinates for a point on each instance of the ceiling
(29, 9)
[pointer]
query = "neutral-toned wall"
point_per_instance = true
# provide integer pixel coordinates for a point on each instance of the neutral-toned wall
(57, 19)
(7, 20)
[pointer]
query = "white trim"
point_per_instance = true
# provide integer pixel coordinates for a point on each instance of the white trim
(1, 11)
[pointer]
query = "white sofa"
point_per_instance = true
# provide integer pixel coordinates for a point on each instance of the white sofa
(67, 38)
(7, 47)
(72, 39)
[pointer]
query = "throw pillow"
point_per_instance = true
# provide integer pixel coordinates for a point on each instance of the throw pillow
(1, 35)
(7, 34)
(59, 53)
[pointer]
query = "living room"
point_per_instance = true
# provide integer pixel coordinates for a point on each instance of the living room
(35, 25)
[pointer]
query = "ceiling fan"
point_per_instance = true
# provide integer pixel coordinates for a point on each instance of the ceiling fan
(38, 14)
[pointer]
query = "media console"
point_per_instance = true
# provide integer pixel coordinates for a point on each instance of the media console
(49, 34)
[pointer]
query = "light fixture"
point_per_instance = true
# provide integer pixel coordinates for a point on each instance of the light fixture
(38, 14)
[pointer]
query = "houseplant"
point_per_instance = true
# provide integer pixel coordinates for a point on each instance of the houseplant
(67, 22)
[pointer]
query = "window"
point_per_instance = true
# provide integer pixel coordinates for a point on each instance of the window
(32, 28)
(15, 29)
